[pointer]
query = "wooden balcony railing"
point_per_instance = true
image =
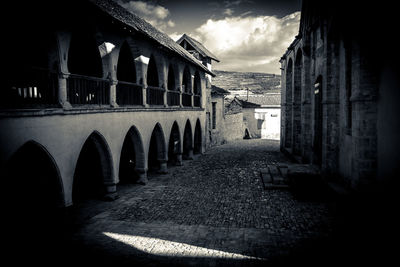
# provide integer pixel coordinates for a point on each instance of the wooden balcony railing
(155, 95)
(196, 100)
(31, 88)
(129, 93)
(173, 98)
(187, 99)
(84, 90)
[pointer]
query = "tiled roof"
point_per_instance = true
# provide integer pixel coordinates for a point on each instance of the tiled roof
(263, 100)
(138, 24)
(218, 90)
(198, 46)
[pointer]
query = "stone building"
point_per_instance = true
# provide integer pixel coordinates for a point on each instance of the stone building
(216, 116)
(340, 94)
(93, 96)
(262, 115)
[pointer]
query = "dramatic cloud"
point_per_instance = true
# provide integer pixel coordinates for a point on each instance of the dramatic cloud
(154, 14)
(248, 43)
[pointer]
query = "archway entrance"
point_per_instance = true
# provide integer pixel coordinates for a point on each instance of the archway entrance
(317, 146)
(93, 170)
(157, 158)
(132, 161)
(297, 134)
(188, 141)
(174, 146)
(33, 201)
(288, 107)
(197, 138)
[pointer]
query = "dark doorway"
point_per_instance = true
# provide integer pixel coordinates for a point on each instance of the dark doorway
(174, 145)
(152, 73)
(92, 169)
(84, 55)
(187, 141)
(317, 147)
(126, 70)
(197, 138)
(246, 134)
(32, 201)
(156, 149)
(288, 107)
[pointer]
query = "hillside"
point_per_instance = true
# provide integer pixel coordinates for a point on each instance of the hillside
(257, 83)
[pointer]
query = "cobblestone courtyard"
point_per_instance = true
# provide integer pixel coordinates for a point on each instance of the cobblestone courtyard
(212, 211)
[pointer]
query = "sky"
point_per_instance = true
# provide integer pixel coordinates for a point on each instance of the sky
(245, 35)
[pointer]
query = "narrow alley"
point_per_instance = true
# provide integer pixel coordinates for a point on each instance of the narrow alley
(212, 211)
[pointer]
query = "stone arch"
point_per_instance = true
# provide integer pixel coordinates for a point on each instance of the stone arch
(197, 147)
(157, 153)
(33, 194)
(187, 80)
(188, 141)
(197, 84)
(171, 79)
(94, 169)
(288, 107)
(126, 70)
(152, 73)
(175, 146)
(296, 113)
(132, 164)
(31, 75)
(84, 55)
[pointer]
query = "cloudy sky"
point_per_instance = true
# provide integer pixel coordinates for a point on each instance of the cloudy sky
(246, 35)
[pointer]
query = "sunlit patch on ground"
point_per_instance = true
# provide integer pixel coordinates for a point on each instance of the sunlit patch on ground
(162, 247)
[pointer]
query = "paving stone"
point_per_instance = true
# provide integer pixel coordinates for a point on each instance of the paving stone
(214, 205)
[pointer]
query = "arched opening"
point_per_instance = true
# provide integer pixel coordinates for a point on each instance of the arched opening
(197, 138)
(93, 170)
(186, 81)
(84, 55)
(174, 145)
(186, 88)
(31, 74)
(128, 92)
(297, 133)
(126, 70)
(187, 141)
(246, 134)
(288, 107)
(197, 90)
(33, 198)
(171, 79)
(152, 73)
(132, 161)
(317, 144)
(197, 84)
(173, 93)
(157, 151)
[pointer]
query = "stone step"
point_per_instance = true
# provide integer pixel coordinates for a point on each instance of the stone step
(272, 179)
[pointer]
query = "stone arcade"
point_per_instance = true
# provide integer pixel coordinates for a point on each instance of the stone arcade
(94, 96)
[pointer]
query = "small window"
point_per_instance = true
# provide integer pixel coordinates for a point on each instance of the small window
(274, 115)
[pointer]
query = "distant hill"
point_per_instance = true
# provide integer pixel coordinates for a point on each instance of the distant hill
(256, 82)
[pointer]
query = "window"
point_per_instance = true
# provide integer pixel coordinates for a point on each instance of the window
(214, 115)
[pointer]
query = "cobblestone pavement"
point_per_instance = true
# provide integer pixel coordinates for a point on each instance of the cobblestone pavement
(212, 211)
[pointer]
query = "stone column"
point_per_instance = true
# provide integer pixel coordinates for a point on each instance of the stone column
(178, 159)
(141, 63)
(64, 40)
(163, 166)
(111, 191)
(142, 176)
